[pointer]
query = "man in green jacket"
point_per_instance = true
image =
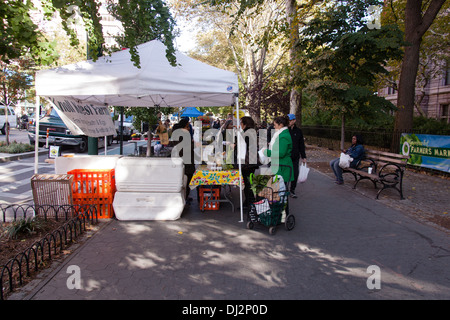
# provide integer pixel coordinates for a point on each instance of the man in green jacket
(280, 150)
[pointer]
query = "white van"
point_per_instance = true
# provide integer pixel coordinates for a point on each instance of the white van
(11, 119)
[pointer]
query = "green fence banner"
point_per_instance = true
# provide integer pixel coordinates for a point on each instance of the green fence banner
(426, 150)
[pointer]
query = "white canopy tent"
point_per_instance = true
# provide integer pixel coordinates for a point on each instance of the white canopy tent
(114, 81)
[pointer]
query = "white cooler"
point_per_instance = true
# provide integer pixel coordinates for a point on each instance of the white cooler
(148, 206)
(149, 174)
(149, 188)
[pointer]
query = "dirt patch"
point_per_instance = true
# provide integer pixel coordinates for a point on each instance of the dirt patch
(9, 248)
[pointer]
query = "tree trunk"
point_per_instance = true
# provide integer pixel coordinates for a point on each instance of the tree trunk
(406, 88)
(295, 101)
(149, 141)
(6, 104)
(296, 105)
(342, 131)
(415, 27)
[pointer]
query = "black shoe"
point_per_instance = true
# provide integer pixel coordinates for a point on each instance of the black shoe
(293, 195)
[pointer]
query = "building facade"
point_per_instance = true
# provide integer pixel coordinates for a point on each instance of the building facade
(432, 98)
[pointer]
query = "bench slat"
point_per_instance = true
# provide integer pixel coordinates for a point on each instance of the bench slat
(385, 160)
(382, 159)
(376, 153)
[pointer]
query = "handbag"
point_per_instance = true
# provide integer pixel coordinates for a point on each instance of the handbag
(303, 173)
(345, 160)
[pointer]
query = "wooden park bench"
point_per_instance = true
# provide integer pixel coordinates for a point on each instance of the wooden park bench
(387, 169)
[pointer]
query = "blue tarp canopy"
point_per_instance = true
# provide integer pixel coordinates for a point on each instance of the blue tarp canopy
(189, 112)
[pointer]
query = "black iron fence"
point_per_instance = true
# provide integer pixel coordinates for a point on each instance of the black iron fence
(330, 137)
(25, 264)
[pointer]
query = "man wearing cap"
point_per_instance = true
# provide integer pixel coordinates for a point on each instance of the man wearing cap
(298, 150)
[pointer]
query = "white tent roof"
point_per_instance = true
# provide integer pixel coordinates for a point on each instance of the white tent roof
(114, 80)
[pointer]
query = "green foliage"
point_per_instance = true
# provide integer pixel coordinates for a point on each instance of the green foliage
(150, 115)
(15, 147)
(344, 56)
(376, 121)
(24, 227)
(88, 11)
(258, 183)
(21, 36)
(430, 126)
(144, 21)
(15, 79)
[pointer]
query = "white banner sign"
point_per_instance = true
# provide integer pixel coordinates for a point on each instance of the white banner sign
(85, 119)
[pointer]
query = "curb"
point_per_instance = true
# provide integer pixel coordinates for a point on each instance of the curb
(4, 157)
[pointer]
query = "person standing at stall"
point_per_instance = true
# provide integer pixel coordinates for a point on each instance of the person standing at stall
(250, 163)
(280, 150)
(189, 167)
(298, 151)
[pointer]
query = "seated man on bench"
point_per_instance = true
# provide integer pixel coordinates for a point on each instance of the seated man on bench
(356, 151)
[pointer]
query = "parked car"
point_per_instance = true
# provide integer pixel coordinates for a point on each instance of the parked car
(59, 134)
(128, 127)
(12, 121)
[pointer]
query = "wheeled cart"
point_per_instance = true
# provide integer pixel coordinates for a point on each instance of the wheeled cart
(271, 209)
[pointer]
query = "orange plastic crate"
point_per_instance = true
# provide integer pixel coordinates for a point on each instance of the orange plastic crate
(95, 187)
(207, 193)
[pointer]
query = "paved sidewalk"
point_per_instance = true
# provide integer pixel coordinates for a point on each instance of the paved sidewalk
(426, 195)
(339, 235)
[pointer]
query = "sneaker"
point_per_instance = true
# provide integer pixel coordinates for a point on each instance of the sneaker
(339, 182)
(293, 195)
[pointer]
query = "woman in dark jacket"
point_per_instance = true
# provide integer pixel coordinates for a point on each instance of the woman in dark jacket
(189, 167)
(250, 163)
(356, 151)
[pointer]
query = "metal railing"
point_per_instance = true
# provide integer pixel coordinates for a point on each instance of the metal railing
(27, 263)
(330, 136)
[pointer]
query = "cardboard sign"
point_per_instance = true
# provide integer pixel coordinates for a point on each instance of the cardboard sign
(84, 119)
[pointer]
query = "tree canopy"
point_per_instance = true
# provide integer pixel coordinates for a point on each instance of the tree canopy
(21, 36)
(344, 57)
(143, 21)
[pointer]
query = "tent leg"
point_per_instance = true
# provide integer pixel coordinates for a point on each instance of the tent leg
(239, 162)
(36, 137)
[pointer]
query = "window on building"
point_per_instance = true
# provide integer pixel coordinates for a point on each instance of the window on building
(447, 76)
(445, 115)
(391, 90)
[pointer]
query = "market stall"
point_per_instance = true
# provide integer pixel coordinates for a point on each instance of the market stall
(83, 92)
(189, 112)
(208, 179)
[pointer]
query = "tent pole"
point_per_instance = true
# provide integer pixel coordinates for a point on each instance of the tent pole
(36, 137)
(239, 159)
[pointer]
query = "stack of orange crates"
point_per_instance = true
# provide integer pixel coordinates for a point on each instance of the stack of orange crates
(209, 193)
(95, 187)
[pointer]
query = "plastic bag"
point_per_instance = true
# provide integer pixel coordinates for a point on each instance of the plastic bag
(262, 206)
(345, 160)
(262, 157)
(303, 173)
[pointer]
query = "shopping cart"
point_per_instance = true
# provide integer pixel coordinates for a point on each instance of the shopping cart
(271, 208)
